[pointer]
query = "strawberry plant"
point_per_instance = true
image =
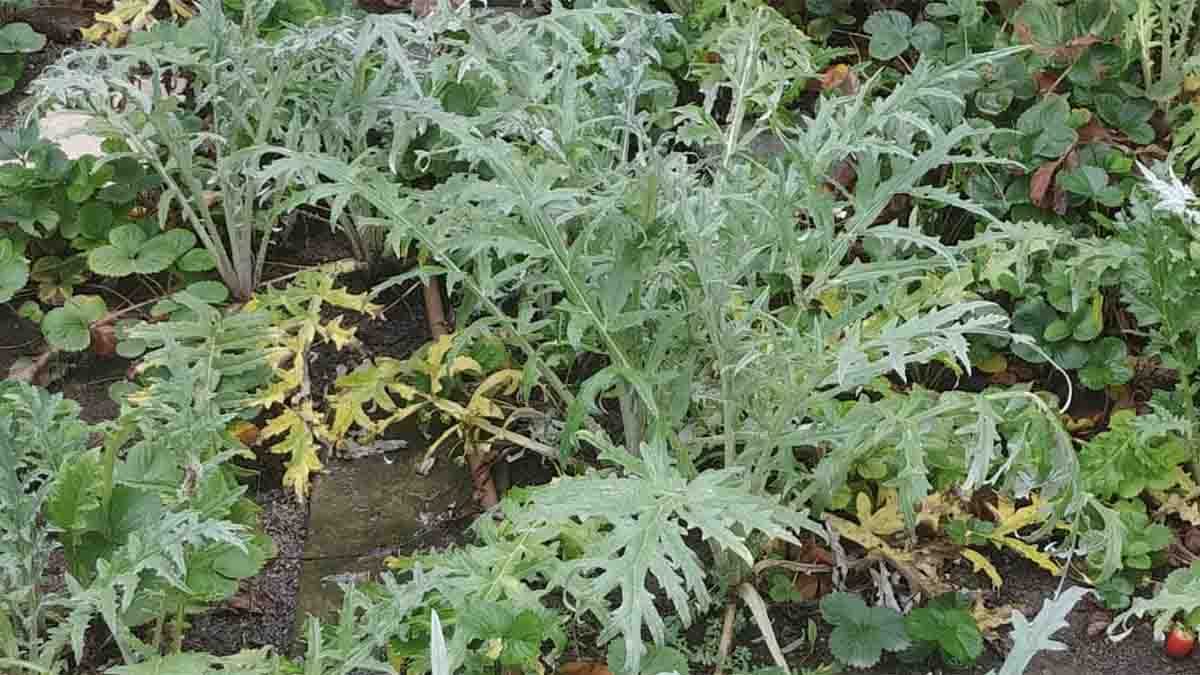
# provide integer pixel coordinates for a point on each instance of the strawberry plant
(16, 40)
(944, 626)
(860, 633)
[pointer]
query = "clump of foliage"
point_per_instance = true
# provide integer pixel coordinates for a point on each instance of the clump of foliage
(298, 322)
(17, 39)
(760, 324)
(71, 220)
(152, 524)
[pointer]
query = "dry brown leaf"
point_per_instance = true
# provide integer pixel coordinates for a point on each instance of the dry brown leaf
(841, 78)
(1046, 81)
(990, 619)
(939, 506)
(244, 431)
(584, 668)
(1041, 183)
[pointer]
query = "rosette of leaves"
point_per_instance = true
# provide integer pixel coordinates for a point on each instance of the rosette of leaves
(860, 633)
(16, 40)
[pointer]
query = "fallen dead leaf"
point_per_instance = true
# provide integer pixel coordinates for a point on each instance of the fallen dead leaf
(246, 432)
(584, 668)
(989, 619)
(1041, 183)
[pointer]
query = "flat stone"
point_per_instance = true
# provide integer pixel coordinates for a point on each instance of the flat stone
(67, 129)
(362, 511)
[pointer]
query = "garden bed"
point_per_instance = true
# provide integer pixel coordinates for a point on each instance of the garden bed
(753, 338)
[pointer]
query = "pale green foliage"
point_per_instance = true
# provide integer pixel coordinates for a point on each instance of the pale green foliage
(150, 525)
(647, 515)
(439, 657)
(1029, 638)
(241, 81)
(247, 662)
(1179, 595)
(39, 434)
(665, 267)
(1168, 32)
(576, 221)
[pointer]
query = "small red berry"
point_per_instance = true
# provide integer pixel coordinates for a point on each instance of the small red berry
(1180, 643)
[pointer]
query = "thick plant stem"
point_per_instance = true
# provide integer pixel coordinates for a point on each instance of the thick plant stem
(486, 494)
(435, 310)
(726, 642)
(630, 420)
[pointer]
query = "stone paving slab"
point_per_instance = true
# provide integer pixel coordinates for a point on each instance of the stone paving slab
(362, 511)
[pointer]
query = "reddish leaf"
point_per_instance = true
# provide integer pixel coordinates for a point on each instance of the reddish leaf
(1041, 182)
(1046, 82)
(584, 668)
(1094, 131)
(1098, 621)
(839, 77)
(244, 431)
(812, 587)
(1191, 540)
(843, 174)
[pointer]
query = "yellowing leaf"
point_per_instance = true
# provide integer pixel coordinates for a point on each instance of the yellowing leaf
(1078, 424)
(434, 359)
(1188, 510)
(1181, 499)
(335, 332)
(831, 301)
(996, 363)
(979, 563)
(989, 619)
(464, 364)
(886, 520)
(298, 442)
(923, 574)
(505, 382)
(867, 539)
(95, 32)
(1010, 519)
(937, 507)
(1028, 551)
